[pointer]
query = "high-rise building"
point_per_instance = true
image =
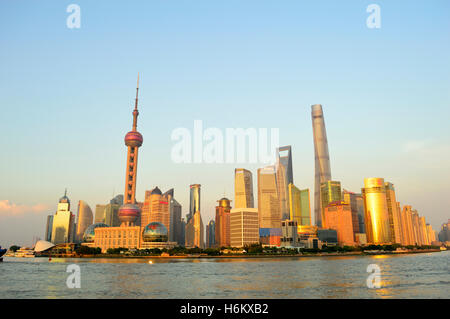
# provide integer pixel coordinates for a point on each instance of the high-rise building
(423, 231)
(211, 234)
(430, 234)
(48, 228)
(357, 208)
(416, 228)
(322, 158)
(243, 188)
(244, 227)
(222, 229)
(99, 214)
(376, 211)
(444, 233)
(156, 208)
(338, 216)
(194, 204)
(175, 221)
(330, 191)
(393, 213)
(63, 222)
(299, 205)
(289, 234)
(408, 231)
(268, 198)
(85, 218)
(284, 177)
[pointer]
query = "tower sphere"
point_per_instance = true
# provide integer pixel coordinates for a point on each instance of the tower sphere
(128, 213)
(133, 139)
(155, 232)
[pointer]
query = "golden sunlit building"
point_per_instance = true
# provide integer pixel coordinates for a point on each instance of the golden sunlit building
(243, 188)
(408, 230)
(156, 208)
(244, 227)
(299, 206)
(376, 211)
(63, 222)
(268, 199)
(357, 208)
(338, 216)
(222, 228)
(330, 191)
(85, 218)
(393, 213)
(416, 228)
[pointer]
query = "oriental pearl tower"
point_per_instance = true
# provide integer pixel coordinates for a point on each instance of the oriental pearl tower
(129, 211)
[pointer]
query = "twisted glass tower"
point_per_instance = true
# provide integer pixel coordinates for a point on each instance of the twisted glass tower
(322, 158)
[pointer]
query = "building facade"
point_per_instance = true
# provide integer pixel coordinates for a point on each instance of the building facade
(243, 188)
(268, 198)
(244, 227)
(85, 218)
(338, 216)
(63, 222)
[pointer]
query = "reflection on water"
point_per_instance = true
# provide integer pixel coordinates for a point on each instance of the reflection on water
(402, 276)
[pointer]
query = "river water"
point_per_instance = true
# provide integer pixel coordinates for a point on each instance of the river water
(425, 275)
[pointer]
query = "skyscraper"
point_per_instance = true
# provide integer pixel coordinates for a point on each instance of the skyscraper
(408, 232)
(194, 203)
(299, 205)
(444, 233)
(63, 222)
(210, 234)
(376, 211)
(330, 191)
(130, 212)
(268, 198)
(322, 158)
(243, 188)
(48, 228)
(351, 199)
(284, 177)
(175, 221)
(222, 228)
(84, 219)
(338, 216)
(156, 208)
(394, 213)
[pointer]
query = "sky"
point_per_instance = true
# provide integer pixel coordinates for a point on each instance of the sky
(66, 97)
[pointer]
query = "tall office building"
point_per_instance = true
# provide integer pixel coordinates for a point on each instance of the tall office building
(194, 224)
(330, 191)
(376, 211)
(194, 204)
(222, 229)
(156, 208)
(338, 216)
(48, 228)
(268, 198)
(393, 213)
(284, 177)
(63, 222)
(299, 205)
(85, 218)
(130, 212)
(211, 234)
(244, 227)
(243, 188)
(444, 233)
(408, 232)
(423, 231)
(431, 234)
(175, 221)
(416, 230)
(357, 207)
(99, 214)
(322, 159)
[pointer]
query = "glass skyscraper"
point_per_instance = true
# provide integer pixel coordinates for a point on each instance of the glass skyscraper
(322, 159)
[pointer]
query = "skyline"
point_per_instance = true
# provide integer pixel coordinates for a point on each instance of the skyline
(61, 141)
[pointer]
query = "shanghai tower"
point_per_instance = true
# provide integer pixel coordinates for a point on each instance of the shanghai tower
(322, 158)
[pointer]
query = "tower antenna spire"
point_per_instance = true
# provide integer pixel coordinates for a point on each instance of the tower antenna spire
(136, 112)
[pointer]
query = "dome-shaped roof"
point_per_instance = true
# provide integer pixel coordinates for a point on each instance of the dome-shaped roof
(224, 202)
(156, 191)
(134, 139)
(89, 234)
(155, 232)
(43, 245)
(129, 213)
(64, 199)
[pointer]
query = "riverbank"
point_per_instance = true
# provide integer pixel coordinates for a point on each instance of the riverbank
(204, 256)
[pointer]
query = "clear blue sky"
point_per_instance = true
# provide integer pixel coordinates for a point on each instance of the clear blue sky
(66, 96)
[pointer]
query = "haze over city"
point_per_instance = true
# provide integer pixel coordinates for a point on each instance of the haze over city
(66, 97)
